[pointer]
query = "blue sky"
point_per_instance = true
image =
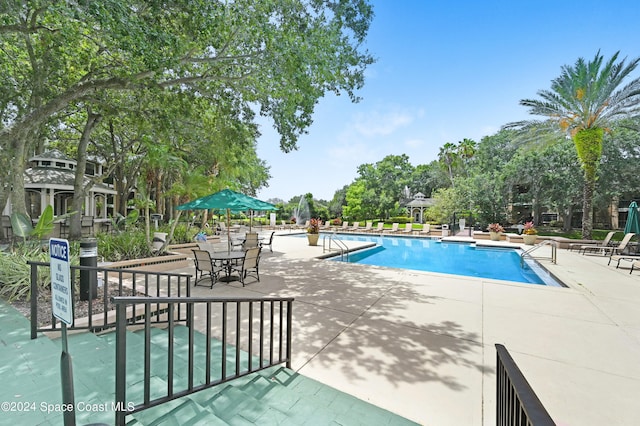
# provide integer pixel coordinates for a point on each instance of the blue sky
(445, 71)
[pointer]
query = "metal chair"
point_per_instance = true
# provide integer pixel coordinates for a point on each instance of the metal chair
(268, 243)
(7, 229)
(250, 264)
(206, 267)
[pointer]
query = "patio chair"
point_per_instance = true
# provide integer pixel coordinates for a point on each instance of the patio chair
(622, 248)
(394, 228)
(620, 257)
(354, 227)
(86, 224)
(7, 230)
(379, 228)
(368, 227)
(408, 228)
(344, 227)
(206, 268)
(207, 246)
(269, 242)
(249, 265)
(582, 246)
(426, 229)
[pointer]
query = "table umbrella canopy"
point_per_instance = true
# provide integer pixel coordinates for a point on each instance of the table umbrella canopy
(633, 222)
(229, 200)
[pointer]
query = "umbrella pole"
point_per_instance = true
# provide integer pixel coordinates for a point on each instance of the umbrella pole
(228, 231)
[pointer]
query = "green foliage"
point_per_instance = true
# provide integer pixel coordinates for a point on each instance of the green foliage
(123, 246)
(184, 233)
(15, 273)
(589, 148)
(398, 219)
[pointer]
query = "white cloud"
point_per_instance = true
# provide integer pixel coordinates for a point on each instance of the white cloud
(381, 124)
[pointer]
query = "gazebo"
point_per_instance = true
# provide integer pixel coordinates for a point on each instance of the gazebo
(417, 206)
(49, 181)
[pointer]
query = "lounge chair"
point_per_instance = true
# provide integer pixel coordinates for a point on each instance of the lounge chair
(620, 257)
(344, 227)
(367, 227)
(408, 228)
(634, 265)
(354, 227)
(269, 242)
(394, 228)
(250, 264)
(379, 229)
(426, 229)
(206, 268)
(326, 226)
(612, 250)
(582, 246)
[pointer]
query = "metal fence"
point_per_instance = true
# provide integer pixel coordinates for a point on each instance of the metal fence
(93, 287)
(254, 334)
(516, 402)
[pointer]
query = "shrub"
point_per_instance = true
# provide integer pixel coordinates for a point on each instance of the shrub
(123, 246)
(15, 273)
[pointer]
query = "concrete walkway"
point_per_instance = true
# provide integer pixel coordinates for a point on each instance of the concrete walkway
(422, 344)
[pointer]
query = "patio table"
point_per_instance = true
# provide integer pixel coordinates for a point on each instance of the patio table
(227, 258)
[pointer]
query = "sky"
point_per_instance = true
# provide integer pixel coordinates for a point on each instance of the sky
(444, 71)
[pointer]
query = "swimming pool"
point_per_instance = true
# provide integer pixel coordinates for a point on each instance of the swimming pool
(426, 254)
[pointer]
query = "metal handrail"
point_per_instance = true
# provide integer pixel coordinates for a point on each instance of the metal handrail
(273, 335)
(554, 252)
(147, 282)
(342, 247)
(516, 402)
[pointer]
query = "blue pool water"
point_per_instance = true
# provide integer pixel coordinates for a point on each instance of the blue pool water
(423, 254)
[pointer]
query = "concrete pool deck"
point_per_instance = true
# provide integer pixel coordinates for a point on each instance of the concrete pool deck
(421, 344)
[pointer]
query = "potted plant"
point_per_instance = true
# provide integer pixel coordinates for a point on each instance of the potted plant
(495, 229)
(313, 232)
(529, 234)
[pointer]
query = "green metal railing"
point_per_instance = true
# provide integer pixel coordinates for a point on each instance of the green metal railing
(516, 402)
(115, 282)
(238, 323)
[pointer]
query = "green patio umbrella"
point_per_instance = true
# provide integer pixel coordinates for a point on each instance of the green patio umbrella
(633, 222)
(227, 200)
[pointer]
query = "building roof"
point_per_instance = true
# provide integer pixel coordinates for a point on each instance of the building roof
(41, 177)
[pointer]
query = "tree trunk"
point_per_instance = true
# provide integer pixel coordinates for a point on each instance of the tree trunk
(587, 201)
(79, 190)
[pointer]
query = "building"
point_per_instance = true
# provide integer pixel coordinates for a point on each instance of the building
(48, 180)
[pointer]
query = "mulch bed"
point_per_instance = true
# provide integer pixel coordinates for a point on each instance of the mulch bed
(80, 308)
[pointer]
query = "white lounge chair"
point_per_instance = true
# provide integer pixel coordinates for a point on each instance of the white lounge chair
(426, 229)
(611, 250)
(582, 246)
(379, 228)
(394, 228)
(408, 228)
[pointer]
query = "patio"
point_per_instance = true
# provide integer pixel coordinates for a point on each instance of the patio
(422, 344)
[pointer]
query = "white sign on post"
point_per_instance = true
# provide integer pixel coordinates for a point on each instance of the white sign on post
(61, 291)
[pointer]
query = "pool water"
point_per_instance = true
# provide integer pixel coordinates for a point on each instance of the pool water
(425, 254)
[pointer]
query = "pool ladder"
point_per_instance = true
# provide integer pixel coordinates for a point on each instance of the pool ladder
(340, 246)
(554, 251)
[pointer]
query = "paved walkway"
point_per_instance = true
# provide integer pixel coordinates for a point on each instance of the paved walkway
(422, 344)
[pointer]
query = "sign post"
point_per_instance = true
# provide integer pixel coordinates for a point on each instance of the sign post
(62, 304)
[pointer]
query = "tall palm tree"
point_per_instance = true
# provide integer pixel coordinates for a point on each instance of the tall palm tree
(583, 102)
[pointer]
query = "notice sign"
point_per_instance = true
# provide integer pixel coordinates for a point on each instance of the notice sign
(61, 292)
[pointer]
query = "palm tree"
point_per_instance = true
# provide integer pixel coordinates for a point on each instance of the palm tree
(448, 158)
(583, 102)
